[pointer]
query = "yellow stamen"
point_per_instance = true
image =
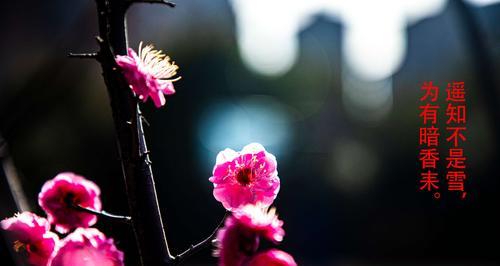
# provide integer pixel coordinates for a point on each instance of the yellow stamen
(19, 246)
(157, 63)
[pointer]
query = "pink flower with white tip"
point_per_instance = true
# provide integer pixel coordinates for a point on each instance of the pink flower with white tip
(272, 257)
(246, 177)
(87, 247)
(239, 239)
(149, 73)
(60, 196)
(30, 238)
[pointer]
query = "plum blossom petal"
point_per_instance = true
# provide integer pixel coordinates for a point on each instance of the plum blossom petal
(246, 177)
(240, 237)
(30, 238)
(272, 257)
(87, 247)
(60, 195)
(149, 73)
(226, 155)
(262, 221)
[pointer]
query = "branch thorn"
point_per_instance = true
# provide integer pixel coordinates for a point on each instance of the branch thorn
(103, 213)
(164, 2)
(84, 55)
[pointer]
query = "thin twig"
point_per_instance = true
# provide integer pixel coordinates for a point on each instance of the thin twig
(143, 118)
(106, 214)
(164, 2)
(84, 55)
(196, 247)
(13, 180)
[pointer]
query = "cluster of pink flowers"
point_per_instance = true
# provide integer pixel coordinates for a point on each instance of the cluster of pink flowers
(36, 245)
(149, 73)
(246, 183)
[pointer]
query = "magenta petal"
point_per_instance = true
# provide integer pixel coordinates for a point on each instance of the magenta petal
(233, 195)
(273, 257)
(221, 171)
(166, 87)
(169, 89)
(87, 247)
(158, 99)
(253, 148)
(225, 156)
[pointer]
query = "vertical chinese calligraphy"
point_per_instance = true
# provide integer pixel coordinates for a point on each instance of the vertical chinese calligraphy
(456, 113)
(429, 139)
(429, 133)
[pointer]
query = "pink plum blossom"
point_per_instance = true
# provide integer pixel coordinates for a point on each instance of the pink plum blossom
(246, 177)
(30, 238)
(59, 197)
(149, 73)
(272, 257)
(239, 239)
(87, 247)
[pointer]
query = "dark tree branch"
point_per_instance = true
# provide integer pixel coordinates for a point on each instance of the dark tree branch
(136, 166)
(197, 247)
(106, 214)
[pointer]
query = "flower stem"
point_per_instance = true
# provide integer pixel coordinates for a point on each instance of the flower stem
(165, 2)
(106, 214)
(196, 247)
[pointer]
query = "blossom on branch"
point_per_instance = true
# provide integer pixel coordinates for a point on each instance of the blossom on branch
(272, 257)
(61, 196)
(149, 73)
(246, 177)
(30, 238)
(87, 247)
(240, 237)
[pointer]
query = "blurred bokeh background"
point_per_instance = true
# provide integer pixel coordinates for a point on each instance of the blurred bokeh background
(330, 87)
